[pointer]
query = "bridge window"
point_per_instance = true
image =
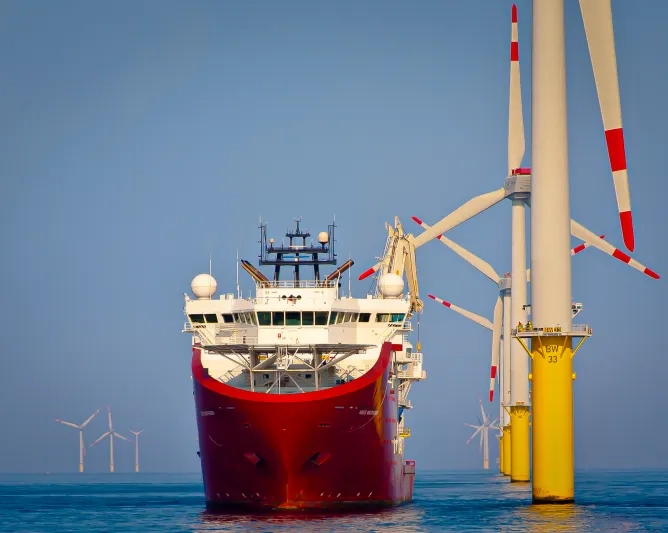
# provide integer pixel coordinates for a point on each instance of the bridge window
(307, 318)
(390, 317)
(211, 319)
(251, 318)
(332, 317)
(292, 318)
(236, 317)
(278, 318)
(264, 318)
(228, 318)
(321, 318)
(196, 319)
(354, 317)
(365, 317)
(340, 317)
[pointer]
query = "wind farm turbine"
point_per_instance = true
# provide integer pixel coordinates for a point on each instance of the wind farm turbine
(518, 187)
(136, 434)
(82, 448)
(485, 425)
(111, 434)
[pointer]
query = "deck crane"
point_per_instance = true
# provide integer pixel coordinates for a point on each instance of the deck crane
(399, 259)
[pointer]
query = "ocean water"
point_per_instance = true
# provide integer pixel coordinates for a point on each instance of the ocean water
(444, 501)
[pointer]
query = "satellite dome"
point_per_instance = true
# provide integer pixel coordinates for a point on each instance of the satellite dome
(391, 285)
(203, 286)
(323, 237)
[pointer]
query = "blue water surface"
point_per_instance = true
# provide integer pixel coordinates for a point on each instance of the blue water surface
(444, 501)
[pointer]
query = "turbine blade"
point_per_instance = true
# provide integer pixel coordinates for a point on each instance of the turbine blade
(473, 436)
(89, 419)
(482, 266)
(121, 437)
(582, 233)
(496, 342)
(368, 272)
(481, 320)
(597, 18)
(516, 141)
(461, 214)
(72, 425)
(100, 438)
(484, 416)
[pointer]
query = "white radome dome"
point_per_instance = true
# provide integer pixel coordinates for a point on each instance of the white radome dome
(323, 237)
(204, 286)
(391, 285)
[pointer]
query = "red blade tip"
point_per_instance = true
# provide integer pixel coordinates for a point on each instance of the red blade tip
(491, 396)
(513, 17)
(651, 273)
(431, 296)
(417, 220)
(626, 221)
(366, 274)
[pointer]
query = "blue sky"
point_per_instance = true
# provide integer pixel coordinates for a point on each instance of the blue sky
(138, 137)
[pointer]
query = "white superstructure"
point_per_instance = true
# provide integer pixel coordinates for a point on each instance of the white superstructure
(300, 335)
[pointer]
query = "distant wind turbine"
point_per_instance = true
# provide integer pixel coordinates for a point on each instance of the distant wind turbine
(111, 434)
(82, 448)
(136, 434)
(483, 429)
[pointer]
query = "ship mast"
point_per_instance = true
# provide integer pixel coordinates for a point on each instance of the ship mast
(298, 252)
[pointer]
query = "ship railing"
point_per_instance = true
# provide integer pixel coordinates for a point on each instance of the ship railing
(299, 284)
(577, 330)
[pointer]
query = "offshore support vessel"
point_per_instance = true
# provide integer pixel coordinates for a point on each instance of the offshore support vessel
(300, 391)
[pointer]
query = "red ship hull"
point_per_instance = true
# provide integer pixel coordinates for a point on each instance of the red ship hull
(313, 450)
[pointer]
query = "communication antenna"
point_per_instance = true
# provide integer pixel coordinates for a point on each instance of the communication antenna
(238, 289)
(349, 286)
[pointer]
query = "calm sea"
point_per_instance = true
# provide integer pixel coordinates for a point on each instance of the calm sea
(444, 501)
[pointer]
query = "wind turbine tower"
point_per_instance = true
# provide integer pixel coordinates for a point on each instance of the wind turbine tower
(553, 332)
(136, 434)
(485, 425)
(111, 434)
(82, 448)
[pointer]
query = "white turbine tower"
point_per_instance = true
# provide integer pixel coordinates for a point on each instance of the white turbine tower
(136, 434)
(485, 425)
(111, 434)
(82, 448)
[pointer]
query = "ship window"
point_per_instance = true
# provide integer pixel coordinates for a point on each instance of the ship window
(307, 318)
(252, 319)
(390, 317)
(264, 318)
(321, 318)
(332, 317)
(278, 318)
(236, 317)
(365, 317)
(346, 317)
(211, 319)
(354, 317)
(308, 376)
(292, 318)
(265, 376)
(196, 319)
(228, 318)
(340, 317)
